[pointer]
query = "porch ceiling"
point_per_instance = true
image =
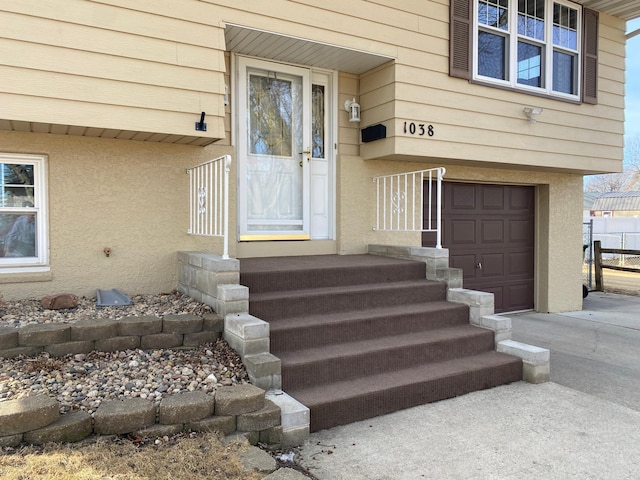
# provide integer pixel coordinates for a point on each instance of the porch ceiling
(625, 9)
(301, 51)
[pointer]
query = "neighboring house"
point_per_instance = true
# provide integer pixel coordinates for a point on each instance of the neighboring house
(100, 112)
(587, 204)
(617, 204)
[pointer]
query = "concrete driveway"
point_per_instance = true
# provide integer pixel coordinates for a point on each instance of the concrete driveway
(584, 424)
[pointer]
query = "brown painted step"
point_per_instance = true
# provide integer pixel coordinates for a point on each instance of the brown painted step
(296, 333)
(296, 273)
(275, 305)
(340, 403)
(318, 366)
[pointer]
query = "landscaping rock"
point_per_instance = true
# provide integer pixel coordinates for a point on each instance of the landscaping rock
(60, 301)
(258, 460)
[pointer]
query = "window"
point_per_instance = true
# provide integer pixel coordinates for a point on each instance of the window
(547, 47)
(528, 44)
(23, 213)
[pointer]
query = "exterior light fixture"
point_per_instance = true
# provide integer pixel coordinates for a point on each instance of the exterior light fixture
(353, 108)
(532, 113)
(201, 126)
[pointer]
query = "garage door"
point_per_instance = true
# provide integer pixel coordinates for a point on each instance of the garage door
(489, 231)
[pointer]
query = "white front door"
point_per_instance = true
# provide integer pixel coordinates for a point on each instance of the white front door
(282, 192)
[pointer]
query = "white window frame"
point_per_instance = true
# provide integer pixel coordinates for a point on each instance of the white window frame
(38, 263)
(512, 37)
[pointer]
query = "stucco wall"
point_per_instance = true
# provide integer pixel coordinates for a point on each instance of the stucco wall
(129, 196)
(558, 262)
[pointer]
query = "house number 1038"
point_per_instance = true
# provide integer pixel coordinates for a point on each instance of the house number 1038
(420, 129)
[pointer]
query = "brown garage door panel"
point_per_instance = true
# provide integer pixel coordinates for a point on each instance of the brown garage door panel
(463, 231)
(492, 225)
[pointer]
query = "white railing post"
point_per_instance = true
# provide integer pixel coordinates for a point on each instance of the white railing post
(209, 200)
(227, 169)
(403, 195)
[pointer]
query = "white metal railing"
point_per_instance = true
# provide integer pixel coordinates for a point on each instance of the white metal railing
(400, 202)
(209, 200)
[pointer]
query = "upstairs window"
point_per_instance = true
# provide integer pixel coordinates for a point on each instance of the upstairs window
(23, 213)
(546, 47)
(528, 44)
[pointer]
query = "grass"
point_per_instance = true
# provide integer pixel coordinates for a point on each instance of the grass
(200, 457)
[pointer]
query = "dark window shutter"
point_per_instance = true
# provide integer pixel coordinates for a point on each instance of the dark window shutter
(590, 57)
(460, 38)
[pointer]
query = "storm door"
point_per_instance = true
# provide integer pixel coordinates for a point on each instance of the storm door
(274, 150)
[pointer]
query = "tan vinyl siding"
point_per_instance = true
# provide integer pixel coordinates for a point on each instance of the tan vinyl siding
(481, 123)
(78, 63)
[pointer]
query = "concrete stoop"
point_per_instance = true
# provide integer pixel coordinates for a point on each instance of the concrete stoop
(242, 409)
(215, 281)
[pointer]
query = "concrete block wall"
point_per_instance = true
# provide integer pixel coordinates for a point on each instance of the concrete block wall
(240, 409)
(436, 260)
(200, 274)
(215, 281)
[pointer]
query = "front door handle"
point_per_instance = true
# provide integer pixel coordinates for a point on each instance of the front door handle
(479, 265)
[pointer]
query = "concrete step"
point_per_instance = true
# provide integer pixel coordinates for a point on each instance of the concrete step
(277, 305)
(297, 333)
(353, 360)
(263, 275)
(343, 402)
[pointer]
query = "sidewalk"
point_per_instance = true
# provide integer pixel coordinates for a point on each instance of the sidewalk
(518, 431)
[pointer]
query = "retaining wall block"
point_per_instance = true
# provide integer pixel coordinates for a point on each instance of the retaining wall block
(185, 407)
(198, 338)
(161, 340)
(70, 348)
(145, 325)
(267, 417)
(44, 334)
(239, 399)
(27, 413)
(272, 437)
(181, 324)
(70, 427)
(212, 322)
(15, 352)
(157, 430)
(115, 417)
(8, 338)
(218, 423)
(94, 329)
(11, 440)
(115, 344)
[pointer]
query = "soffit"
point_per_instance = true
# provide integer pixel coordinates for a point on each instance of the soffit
(625, 9)
(300, 51)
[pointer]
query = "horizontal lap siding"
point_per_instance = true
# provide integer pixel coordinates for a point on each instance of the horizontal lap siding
(478, 122)
(67, 62)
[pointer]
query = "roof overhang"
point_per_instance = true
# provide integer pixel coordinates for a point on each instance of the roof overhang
(625, 9)
(301, 51)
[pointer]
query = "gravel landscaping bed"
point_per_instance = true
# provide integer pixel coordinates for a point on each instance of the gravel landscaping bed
(83, 381)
